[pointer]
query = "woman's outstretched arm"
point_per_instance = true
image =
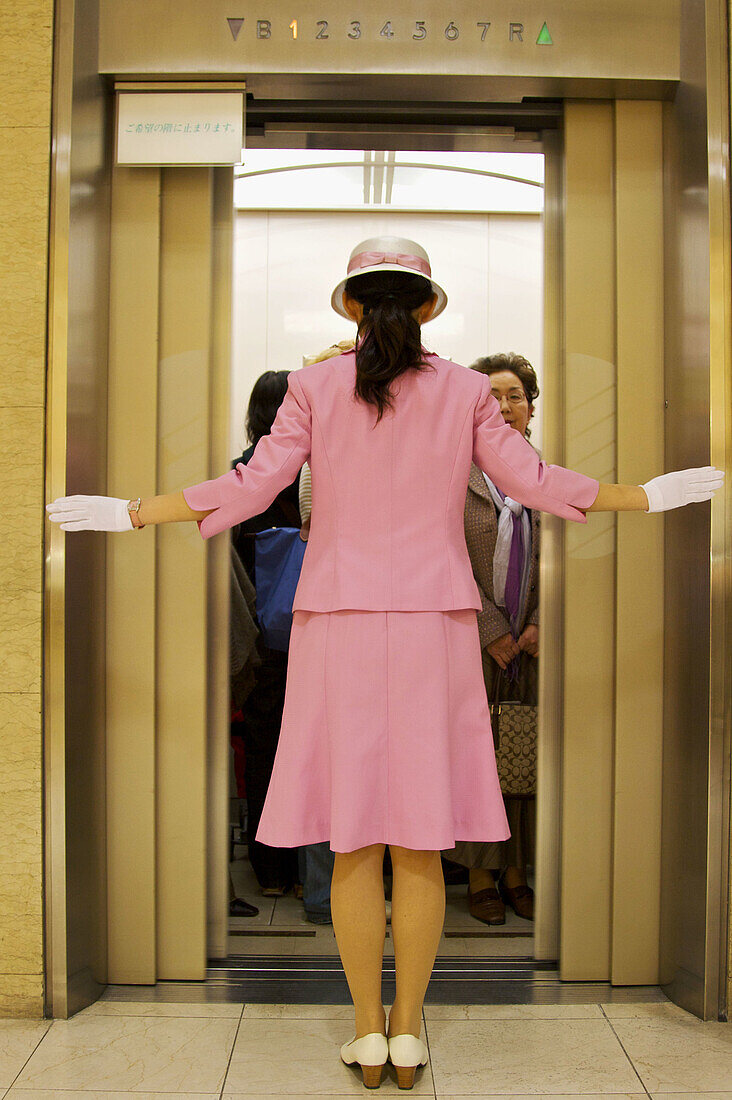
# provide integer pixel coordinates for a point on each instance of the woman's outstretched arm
(168, 509)
(620, 498)
(88, 513)
(240, 493)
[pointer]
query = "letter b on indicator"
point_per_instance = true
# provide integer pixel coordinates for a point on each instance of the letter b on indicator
(264, 28)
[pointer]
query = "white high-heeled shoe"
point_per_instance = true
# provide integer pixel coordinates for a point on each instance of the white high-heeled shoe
(371, 1052)
(406, 1052)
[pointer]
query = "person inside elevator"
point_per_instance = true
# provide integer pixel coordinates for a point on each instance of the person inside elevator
(507, 574)
(386, 736)
(276, 869)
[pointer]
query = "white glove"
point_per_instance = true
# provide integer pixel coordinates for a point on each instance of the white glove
(90, 514)
(682, 487)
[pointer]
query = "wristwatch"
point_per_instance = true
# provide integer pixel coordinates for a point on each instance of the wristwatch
(133, 507)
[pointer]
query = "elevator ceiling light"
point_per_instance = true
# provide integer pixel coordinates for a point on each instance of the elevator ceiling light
(298, 179)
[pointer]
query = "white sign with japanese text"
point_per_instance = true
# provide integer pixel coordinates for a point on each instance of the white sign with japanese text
(180, 128)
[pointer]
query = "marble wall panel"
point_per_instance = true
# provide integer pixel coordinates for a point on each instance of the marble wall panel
(26, 55)
(21, 885)
(21, 552)
(25, 61)
(21, 995)
(24, 161)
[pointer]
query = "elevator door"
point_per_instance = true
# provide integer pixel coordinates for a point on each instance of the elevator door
(167, 594)
(604, 416)
(598, 862)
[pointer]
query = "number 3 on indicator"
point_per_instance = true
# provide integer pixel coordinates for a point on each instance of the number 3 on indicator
(355, 31)
(293, 28)
(421, 31)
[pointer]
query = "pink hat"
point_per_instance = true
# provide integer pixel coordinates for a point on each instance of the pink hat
(388, 254)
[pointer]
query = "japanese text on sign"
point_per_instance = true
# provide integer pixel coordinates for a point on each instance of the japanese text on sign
(180, 128)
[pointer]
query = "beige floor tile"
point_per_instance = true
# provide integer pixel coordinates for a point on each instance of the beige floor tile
(555, 1096)
(696, 1096)
(156, 1008)
(84, 1094)
(18, 1040)
(127, 1054)
(512, 1012)
(647, 1009)
(299, 1012)
(480, 1057)
(679, 1055)
(301, 1058)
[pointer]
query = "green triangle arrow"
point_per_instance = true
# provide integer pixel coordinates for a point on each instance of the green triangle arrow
(544, 39)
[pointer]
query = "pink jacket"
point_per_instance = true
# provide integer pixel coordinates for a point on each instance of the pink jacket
(387, 530)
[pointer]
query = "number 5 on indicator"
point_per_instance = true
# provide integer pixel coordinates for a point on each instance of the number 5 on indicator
(293, 28)
(421, 31)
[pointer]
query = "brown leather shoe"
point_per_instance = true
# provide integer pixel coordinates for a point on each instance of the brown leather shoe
(520, 898)
(486, 905)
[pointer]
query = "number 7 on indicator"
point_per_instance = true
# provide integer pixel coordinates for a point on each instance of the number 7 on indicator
(485, 27)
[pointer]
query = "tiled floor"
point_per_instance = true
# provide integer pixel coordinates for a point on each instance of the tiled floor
(252, 1052)
(271, 931)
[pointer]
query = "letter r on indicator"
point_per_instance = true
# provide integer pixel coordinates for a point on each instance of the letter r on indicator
(516, 30)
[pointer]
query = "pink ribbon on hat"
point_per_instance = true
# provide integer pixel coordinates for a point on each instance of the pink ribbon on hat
(403, 259)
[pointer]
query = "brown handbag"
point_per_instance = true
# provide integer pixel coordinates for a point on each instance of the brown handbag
(515, 727)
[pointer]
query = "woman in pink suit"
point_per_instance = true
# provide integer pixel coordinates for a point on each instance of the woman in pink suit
(386, 736)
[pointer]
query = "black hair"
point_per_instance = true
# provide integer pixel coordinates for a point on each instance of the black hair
(516, 364)
(389, 338)
(267, 395)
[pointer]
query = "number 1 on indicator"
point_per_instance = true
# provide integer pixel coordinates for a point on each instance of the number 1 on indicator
(293, 28)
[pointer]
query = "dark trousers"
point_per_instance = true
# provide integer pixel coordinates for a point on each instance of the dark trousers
(260, 729)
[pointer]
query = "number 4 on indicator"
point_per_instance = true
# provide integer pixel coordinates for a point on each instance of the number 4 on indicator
(293, 28)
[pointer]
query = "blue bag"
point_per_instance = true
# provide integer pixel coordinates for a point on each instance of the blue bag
(278, 557)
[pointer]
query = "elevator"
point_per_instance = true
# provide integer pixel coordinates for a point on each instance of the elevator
(633, 829)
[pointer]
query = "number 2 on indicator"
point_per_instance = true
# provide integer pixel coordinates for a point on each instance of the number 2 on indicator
(293, 28)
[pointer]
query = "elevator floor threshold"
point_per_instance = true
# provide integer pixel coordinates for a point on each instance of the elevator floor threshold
(295, 980)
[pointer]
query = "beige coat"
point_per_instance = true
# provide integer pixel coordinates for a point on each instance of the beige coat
(481, 531)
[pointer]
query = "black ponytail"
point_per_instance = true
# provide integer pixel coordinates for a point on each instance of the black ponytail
(389, 338)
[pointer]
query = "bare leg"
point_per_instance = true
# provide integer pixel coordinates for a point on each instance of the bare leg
(417, 919)
(359, 922)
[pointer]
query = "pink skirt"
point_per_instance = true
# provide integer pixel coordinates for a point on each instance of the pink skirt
(386, 735)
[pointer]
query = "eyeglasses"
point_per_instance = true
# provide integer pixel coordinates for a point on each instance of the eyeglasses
(514, 398)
